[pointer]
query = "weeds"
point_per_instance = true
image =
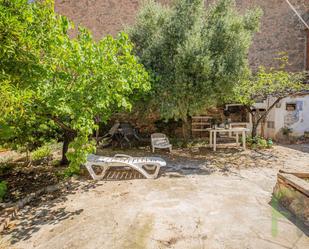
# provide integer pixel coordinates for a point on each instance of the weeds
(41, 153)
(3, 190)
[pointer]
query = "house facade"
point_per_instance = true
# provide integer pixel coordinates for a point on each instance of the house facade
(289, 117)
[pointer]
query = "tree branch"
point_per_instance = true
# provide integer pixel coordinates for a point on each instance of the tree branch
(62, 125)
(264, 115)
(248, 108)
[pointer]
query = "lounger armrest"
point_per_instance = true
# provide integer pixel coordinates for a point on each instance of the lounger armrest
(122, 155)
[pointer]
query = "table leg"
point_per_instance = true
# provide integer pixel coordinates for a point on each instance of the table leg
(237, 139)
(230, 133)
(215, 140)
(210, 138)
(244, 140)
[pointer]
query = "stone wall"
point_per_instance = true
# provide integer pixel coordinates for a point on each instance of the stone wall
(281, 30)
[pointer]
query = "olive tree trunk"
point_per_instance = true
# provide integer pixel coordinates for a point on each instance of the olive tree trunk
(257, 119)
(186, 128)
(68, 137)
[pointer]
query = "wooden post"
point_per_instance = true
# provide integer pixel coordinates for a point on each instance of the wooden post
(215, 140)
(210, 138)
(230, 133)
(237, 138)
(244, 140)
(307, 51)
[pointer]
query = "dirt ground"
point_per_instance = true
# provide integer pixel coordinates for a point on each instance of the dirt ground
(201, 200)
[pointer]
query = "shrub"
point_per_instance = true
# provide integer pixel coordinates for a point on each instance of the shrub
(262, 143)
(3, 190)
(259, 142)
(5, 167)
(192, 143)
(270, 143)
(41, 153)
(178, 142)
(286, 131)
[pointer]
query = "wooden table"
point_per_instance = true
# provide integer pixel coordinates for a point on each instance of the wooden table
(237, 131)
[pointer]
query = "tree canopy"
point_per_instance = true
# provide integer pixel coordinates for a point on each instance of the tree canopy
(275, 83)
(52, 79)
(195, 55)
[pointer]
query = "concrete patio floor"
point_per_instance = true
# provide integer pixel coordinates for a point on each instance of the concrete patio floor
(231, 210)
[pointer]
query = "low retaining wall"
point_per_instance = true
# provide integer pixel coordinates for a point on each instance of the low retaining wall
(292, 191)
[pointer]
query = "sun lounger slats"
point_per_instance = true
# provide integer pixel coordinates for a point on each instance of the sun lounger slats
(108, 174)
(138, 164)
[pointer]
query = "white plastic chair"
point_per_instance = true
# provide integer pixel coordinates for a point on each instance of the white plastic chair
(160, 141)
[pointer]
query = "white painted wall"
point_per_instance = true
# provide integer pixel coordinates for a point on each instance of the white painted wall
(297, 120)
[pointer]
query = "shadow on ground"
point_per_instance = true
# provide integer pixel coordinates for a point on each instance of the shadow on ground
(280, 211)
(196, 161)
(45, 210)
(180, 163)
(298, 147)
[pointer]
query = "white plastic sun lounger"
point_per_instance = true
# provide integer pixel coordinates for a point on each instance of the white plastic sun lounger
(141, 164)
(160, 141)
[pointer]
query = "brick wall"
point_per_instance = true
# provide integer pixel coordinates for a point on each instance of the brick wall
(280, 31)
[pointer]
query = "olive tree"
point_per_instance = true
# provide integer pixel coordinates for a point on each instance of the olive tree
(47, 76)
(195, 55)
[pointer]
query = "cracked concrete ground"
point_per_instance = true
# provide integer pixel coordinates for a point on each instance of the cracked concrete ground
(192, 205)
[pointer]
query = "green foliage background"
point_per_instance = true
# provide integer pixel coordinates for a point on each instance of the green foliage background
(195, 55)
(49, 79)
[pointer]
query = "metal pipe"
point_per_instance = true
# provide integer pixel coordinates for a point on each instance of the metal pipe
(299, 16)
